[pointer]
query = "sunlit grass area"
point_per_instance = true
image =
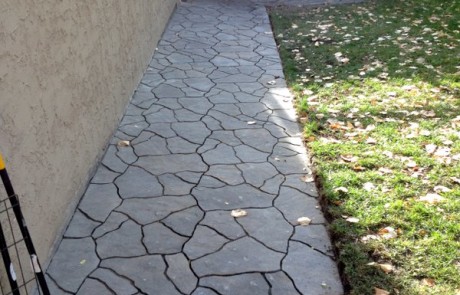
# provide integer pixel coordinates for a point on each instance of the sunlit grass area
(378, 88)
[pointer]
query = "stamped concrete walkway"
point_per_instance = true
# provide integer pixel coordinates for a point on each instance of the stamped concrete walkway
(211, 128)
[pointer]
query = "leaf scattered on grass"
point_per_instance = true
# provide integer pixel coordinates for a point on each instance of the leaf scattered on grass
(341, 189)
(388, 233)
(381, 292)
(432, 199)
(352, 219)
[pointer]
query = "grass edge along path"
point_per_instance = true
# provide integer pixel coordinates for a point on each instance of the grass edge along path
(377, 87)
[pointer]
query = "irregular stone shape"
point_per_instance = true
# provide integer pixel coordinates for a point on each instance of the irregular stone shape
(204, 291)
(145, 211)
(118, 284)
(123, 242)
(260, 139)
(191, 177)
(154, 146)
(195, 132)
(103, 175)
(99, 200)
(158, 239)
(257, 173)
(167, 91)
(74, 260)
(243, 255)
(294, 204)
(248, 154)
(203, 241)
(273, 185)
(220, 61)
(226, 137)
(147, 272)
(222, 154)
(295, 181)
(303, 265)
(80, 226)
(184, 222)
(138, 183)
(281, 284)
(92, 286)
(112, 162)
(113, 222)
(226, 173)
(231, 197)
(126, 154)
(134, 129)
(172, 163)
(180, 274)
(223, 223)
(268, 227)
(184, 115)
(196, 104)
(210, 182)
(174, 186)
(55, 289)
(252, 283)
(314, 235)
(290, 165)
(178, 145)
(201, 84)
(164, 115)
(162, 129)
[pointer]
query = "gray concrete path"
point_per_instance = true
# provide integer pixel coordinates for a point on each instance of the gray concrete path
(211, 128)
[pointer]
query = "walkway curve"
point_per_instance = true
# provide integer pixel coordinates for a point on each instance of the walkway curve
(210, 129)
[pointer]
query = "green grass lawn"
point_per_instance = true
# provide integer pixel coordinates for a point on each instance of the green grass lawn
(377, 86)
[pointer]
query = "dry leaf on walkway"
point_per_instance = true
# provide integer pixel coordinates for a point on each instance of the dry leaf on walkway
(251, 122)
(123, 143)
(304, 220)
(307, 178)
(381, 292)
(239, 213)
(432, 199)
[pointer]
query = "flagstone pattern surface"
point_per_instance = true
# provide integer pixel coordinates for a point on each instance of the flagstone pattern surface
(211, 128)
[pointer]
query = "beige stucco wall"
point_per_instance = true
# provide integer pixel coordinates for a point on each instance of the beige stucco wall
(67, 70)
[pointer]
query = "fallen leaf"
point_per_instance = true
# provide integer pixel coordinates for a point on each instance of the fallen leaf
(319, 116)
(384, 170)
(430, 148)
(304, 220)
(425, 133)
(455, 179)
(427, 282)
(341, 189)
(388, 154)
(440, 188)
(442, 152)
(386, 267)
(349, 158)
(381, 292)
(273, 82)
(123, 143)
(83, 261)
(371, 140)
(358, 168)
(307, 178)
(368, 186)
(432, 199)
(411, 164)
(388, 233)
(352, 219)
(251, 122)
(239, 213)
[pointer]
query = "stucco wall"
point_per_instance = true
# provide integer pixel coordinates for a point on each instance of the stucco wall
(67, 70)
